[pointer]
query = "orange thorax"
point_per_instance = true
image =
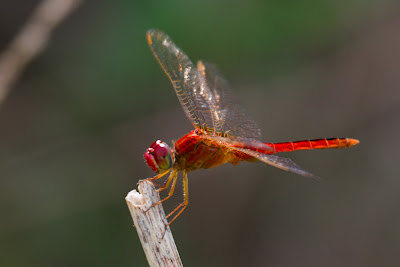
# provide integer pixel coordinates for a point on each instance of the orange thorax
(193, 151)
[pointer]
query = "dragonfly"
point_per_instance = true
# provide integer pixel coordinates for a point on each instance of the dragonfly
(224, 132)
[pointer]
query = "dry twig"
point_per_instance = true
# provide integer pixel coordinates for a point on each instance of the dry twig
(158, 242)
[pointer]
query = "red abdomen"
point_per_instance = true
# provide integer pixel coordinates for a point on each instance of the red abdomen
(312, 144)
(193, 151)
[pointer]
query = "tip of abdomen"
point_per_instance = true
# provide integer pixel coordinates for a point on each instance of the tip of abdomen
(352, 142)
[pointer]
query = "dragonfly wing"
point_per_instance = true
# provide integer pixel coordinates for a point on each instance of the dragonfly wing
(234, 142)
(203, 92)
(184, 77)
(228, 115)
(276, 161)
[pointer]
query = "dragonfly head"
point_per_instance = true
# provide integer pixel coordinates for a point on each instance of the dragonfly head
(159, 157)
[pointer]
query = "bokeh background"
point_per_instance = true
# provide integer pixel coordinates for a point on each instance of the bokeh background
(75, 125)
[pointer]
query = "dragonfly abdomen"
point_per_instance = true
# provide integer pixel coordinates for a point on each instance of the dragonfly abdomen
(323, 143)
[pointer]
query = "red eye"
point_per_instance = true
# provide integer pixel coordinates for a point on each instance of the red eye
(148, 156)
(158, 156)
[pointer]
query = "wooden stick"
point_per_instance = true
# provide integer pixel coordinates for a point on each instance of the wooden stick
(157, 240)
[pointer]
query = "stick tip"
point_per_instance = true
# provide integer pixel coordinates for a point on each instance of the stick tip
(135, 198)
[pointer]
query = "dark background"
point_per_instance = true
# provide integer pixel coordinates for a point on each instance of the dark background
(74, 128)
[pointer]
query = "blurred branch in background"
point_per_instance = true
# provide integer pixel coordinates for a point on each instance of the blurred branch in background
(31, 40)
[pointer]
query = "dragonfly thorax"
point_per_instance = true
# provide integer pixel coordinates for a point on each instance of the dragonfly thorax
(159, 157)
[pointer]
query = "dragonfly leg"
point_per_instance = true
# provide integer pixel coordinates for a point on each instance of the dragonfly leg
(173, 177)
(168, 181)
(158, 176)
(185, 202)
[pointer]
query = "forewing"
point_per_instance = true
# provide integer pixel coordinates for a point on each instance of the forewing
(184, 77)
(228, 116)
(276, 161)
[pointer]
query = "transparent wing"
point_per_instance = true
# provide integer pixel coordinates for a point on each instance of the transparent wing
(203, 92)
(228, 115)
(184, 77)
(234, 142)
(276, 161)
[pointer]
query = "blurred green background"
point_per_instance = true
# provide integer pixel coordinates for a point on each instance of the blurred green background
(76, 124)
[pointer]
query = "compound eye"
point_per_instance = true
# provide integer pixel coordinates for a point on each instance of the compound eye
(159, 157)
(150, 160)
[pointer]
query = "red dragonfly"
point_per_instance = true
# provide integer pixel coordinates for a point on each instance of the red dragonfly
(224, 132)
